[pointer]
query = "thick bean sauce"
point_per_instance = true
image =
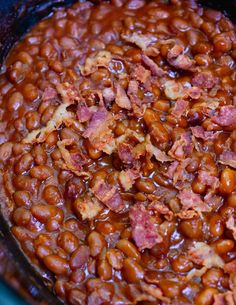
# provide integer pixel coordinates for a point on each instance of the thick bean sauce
(118, 152)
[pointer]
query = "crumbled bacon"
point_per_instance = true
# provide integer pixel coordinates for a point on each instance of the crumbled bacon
(88, 207)
(49, 94)
(157, 153)
(231, 225)
(174, 90)
(207, 179)
(142, 41)
(228, 158)
(226, 116)
(125, 153)
(204, 255)
(108, 94)
(108, 195)
(101, 59)
(128, 177)
(199, 132)
(144, 231)
(205, 80)
(83, 113)
(177, 171)
(98, 131)
(122, 99)
(178, 59)
(182, 147)
(140, 74)
(179, 108)
(231, 267)
(155, 69)
(155, 292)
(73, 160)
(190, 200)
(160, 208)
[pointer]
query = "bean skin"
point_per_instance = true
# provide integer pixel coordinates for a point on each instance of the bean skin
(56, 264)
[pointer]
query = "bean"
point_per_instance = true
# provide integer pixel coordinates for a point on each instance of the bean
(68, 241)
(191, 228)
(115, 258)
(56, 264)
(21, 216)
(77, 276)
(76, 296)
(223, 246)
(25, 183)
(128, 248)
(145, 185)
(15, 101)
(170, 288)
(227, 181)
(24, 164)
(181, 264)
(104, 270)
(216, 225)
(132, 271)
(32, 120)
(212, 277)
(41, 172)
(96, 243)
(22, 198)
(43, 251)
(45, 212)
(39, 154)
(5, 151)
(79, 257)
(25, 58)
(51, 194)
(206, 296)
(159, 132)
(30, 92)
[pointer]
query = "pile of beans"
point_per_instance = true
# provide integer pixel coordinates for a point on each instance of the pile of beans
(97, 262)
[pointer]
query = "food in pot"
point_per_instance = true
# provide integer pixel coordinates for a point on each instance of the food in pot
(118, 152)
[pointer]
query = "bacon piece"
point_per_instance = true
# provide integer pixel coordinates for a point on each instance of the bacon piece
(204, 255)
(205, 80)
(74, 161)
(122, 99)
(108, 195)
(194, 93)
(108, 94)
(187, 214)
(84, 113)
(140, 74)
(177, 171)
(136, 102)
(125, 153)
(144, 231)
(226, 116)
(98, 131)
(101, 59)
(207, 179)
(61, 115)
(178, 59)
(127, 178)
(190, 200)
(157, 153)
(49, 94)
(142, 41)
(181, 147)
(227, 298)
(88, 207)
(179, 108)
(160, 208)
(231, 225)
(199, 132)
(174, 90)
(154, 292)
(155, 69)
(228, 158)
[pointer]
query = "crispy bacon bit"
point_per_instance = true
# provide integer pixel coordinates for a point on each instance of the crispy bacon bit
(68, 93)
(154, 292)
(140, 74)
(205, 80)
(88, 207)
(84, 113)
(187, 214)
(228, 158)
(204, 255)
(101, 59)
(49, 94)
(157, 153)
(74, 160)
(174, 90)
(98, 131)
(108, 94)
(177, 171)
(142, 41)
(231, 225)
(144, 231)
(199, 132)
(128, 177)
(227, 298)
(194, 92)
(190, 200)
(181, 147)
(155, 69)
(108, 195)
(179, 108)
(226, 116)
(178, 59)
(122, 99)
(160, 208)
(125, 153)
(207, 179)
